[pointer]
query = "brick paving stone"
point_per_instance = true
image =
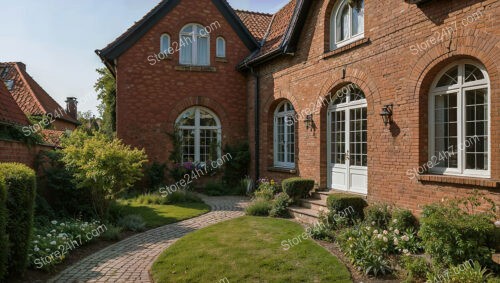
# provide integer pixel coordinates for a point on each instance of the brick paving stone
(130, 260)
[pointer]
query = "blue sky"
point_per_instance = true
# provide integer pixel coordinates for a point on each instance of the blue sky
(56, 39)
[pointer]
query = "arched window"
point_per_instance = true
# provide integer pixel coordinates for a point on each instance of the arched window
(165, 44)
(284, 136)
(347, 23)
(200, 133)
(195, 45)
(459, 107)
(221, 47)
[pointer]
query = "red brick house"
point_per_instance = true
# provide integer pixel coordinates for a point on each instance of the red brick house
(306, 86)
(34, 100)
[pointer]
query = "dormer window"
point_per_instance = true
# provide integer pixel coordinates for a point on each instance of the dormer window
(194, 45)
(347, 23)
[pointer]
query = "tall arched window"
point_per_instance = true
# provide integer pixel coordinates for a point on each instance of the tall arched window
(459, 107)
(284, 136)
(165, 44)
(200, 133)
(221, 47)
(347, 23)
(194, 45)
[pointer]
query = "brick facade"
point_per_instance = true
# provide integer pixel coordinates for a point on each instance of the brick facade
(383, 64)
(151, 97)
(12, 151)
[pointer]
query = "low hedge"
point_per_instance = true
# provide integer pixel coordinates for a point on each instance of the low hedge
(3, 235)
(338, 203)
(297, 188)
(21, 192)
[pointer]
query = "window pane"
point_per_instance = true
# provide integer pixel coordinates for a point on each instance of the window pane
(206, 119)
(338, 139)
(188, 153)
(221, 47)
(472, 73)
(476, 129)
(187, 118)
(280, 124)
(445, 131)
(343, 24)
(165, 43)
(186, 49)
(291, 143)
(202, 51)
(449, 78)
(358, 19)
(356, 94)
(208, 145)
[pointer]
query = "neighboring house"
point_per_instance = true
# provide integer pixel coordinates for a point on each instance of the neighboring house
(306, 86)
(35, 101)
(10, 113)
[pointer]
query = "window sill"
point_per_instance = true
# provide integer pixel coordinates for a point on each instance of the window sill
(460, 180)
(187, 68)
(221, 59)
(282, 170)
(346, 48)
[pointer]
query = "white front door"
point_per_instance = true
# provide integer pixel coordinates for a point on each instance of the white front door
(347, 144)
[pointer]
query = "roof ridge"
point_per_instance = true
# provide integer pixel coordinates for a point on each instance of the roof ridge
(254, 12)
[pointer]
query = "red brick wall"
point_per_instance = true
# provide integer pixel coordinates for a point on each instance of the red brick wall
(11, 151)
(387, 71)
(151, 97)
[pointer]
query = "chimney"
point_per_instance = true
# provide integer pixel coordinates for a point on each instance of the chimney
(71, 107)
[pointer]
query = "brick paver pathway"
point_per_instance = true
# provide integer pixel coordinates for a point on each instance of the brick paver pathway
(131, 259)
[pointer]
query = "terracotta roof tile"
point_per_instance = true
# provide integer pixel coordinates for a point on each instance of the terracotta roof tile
(9, 110)
(52, 137)
(257, 23)
(29, 95)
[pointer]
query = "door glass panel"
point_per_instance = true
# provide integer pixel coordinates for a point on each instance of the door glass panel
(358, 137)
(338, 137)
(281, 139)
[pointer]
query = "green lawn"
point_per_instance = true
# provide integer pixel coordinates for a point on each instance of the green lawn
(248, 249)
(158, 215)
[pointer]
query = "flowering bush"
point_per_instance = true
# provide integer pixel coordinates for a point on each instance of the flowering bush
(268, 184)
(369, 248)
(52, 243)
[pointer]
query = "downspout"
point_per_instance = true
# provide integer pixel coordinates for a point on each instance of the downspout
(257, 124)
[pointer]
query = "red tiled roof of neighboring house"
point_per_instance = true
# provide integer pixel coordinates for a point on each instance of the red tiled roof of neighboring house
(279, 25)
(257, 23)
(52, 137)
(29, 95)
(9, 110)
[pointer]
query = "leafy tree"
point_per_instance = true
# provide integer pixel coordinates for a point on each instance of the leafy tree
(105, 166)
(106, 93)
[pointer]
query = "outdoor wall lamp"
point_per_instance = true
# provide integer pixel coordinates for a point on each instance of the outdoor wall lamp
(387, 114)
(309, 122)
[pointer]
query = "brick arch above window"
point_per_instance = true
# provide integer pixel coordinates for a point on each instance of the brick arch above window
(357, 77)
(192, 101)
(273, 101)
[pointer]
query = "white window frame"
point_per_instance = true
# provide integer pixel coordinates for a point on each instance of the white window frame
(195, 34)
(460, 88)
(197, 130)
(165, 49)
(220, 53)
(286, 164)
(334, 44)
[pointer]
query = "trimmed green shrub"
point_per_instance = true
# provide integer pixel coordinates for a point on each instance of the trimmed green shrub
(3, 234)
(404, 220)
(133, 223)
(259, 207)
(112, 234)
(280, 206)
(297, 188)
(21, 192)
(343, 202)
(378, 215)
(453, 235)
(156, 174)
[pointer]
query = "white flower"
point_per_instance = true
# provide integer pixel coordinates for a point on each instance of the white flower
(396, 242)
(53, 231)
(396, 232)
(350, 238)
(62, 224)
(53, 222)
(405, 238)
(368, 228)
(385, 232)
(379, 236)
(385, 239)
(395, 221)
(375, 231)
(53, 243)
(47, 250)
(405, 251)
(49, 235)
(35, 242)
(373, 222)
(36, 249)
(497, 224)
